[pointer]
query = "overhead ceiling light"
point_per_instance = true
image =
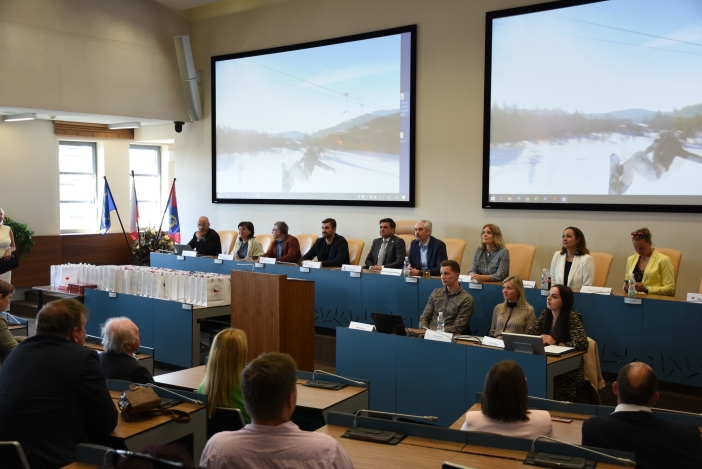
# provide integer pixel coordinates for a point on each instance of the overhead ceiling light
(27, 116)
(124, 125)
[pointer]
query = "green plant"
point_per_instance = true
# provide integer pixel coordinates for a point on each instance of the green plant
(23, 236)
(147, 243)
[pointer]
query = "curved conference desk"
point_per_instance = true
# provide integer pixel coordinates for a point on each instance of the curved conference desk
(661, 331)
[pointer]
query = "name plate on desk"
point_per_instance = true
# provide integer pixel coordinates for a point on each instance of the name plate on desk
(180, 258)
(632, 301)
(218, 261)
(694, 298)
(304, 270)
(411, 279)
(545, 292)
(266, 260)
(596, 290)
(112, 294)
(475, 286)
(388, 271)
(225, 257)
(440, 336)
(529, 283)
(187, 306)
(359, 326)
(466, 279)
(312, 264)
(190, 253)
(258, 265)
(351, 268)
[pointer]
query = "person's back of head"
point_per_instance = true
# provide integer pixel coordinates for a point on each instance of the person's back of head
(505, 393)
(223, 375)
(116, 333)
(267, 384)
(637, 384)
(61, 318)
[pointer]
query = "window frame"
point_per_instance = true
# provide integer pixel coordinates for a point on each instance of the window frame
(93, 146)
(159, 201)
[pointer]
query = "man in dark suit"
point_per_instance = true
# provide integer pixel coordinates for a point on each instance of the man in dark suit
(426, 252)
(331, 249)
(52, 391)
(120, 336)
(388, 250)
(206, 240)
(632, 427)
(285, 247)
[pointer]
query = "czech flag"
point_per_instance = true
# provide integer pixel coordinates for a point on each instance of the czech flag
(173, 221)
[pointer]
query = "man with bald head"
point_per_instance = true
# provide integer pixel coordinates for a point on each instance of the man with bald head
(120, 337)
(655, 441)
(206, 240)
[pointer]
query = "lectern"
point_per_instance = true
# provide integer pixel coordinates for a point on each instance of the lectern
(277, 314)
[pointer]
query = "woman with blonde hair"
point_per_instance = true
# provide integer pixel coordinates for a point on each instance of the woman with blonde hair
(491, 258)
(515, 315)
(222, 382)
(652, 270)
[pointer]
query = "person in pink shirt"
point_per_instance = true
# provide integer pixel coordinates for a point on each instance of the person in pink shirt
(269, 386)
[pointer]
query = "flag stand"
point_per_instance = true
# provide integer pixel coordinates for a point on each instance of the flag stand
(129, 246)
(141, 254)
(168, 206)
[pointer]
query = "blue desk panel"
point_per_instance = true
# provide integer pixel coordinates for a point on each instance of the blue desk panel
(390, 295)
(174, 337)
(102, 307)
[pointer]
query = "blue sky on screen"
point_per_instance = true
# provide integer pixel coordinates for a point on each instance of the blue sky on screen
(309, 89)
(601, 57)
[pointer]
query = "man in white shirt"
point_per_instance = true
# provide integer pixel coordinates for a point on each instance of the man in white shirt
(269, 387)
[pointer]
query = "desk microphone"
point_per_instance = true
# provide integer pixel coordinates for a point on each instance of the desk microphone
(395, 415)
(549, 400)
(545, 458)
(151, 385)
(360, 383)
(253, 266)
(674, 411)
(380, 436)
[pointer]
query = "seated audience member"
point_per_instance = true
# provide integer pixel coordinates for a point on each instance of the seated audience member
(154, 457)
(573, 266)
(222, 382)
(653, 270)
(269, 384)
(8, 342)
(247, 246)
(515, 315)
(426, 252)
(120, 337)
(451, 299)
(52, 391)
(655, 442)
(285, 247)
(504, 406)
(388, 250)
(491, 258)
(560, 324)
(206, 240)
(331, 249)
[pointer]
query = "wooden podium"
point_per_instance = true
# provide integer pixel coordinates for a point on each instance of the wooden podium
(277, 314)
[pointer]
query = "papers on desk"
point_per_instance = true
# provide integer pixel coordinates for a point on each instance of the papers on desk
(492, 342)
(360, 326)
(596, 290)
(529, 283)
(557, 350)
(440, 336)
(694, 298)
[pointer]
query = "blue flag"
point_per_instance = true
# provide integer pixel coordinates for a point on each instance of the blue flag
(173, 221)
(108, 205)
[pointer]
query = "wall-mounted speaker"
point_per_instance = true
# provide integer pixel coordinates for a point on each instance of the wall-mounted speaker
(188, 77)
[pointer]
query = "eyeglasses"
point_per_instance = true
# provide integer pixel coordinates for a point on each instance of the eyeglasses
(639, 234)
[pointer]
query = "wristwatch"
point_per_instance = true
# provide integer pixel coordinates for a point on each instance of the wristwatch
(646, 290)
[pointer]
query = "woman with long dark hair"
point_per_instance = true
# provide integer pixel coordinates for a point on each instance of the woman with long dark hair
(560, 324)
(573, 265)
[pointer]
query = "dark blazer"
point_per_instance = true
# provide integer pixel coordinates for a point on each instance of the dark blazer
(52, 397)
(122, 366)
(435, 256)
(209, 245)
(395, 253)
(291, 250)
(338, 252)
(656, 442)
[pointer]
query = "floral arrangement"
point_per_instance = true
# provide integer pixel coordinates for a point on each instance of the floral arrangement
(149, 241)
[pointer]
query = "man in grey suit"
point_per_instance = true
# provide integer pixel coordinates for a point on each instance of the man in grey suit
(388, 250)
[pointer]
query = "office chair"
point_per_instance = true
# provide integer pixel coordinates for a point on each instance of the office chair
(12, 456)
(225, 420)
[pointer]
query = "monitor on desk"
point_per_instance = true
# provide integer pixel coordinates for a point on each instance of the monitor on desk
(388, 323)
(532, 344)
(179, 248)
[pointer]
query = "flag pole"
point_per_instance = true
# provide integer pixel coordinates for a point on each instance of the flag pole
(168, 205)
(129, 246)
(141, 256)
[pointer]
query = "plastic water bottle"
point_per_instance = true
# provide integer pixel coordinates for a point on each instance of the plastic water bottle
(549, 279)
(406, 268)
(440, 322)
(632, 286)
(544, 280)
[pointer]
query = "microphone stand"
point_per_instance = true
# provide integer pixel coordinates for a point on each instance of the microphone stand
(545, 460)
(381, 436)
(314, 383)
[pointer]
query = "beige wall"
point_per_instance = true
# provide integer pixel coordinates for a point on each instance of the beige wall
(449, 122)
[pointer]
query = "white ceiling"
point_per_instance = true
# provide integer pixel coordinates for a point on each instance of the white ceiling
(47, 114)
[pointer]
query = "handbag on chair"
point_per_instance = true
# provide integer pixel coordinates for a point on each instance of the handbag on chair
(139, 402)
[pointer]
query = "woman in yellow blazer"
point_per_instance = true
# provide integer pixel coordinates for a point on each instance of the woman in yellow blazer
(652, 270)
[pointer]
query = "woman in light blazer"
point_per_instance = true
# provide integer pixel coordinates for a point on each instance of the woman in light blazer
(246, 246)
(573, 265)
(653, 270)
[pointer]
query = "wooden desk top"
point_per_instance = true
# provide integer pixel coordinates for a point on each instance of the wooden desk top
(311, 398)
(50, 289)
(568, 432)
(126, 430)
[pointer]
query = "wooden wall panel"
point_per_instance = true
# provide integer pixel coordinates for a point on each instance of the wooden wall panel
(34, 268)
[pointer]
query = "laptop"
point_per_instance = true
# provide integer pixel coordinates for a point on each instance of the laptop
(179, 248)
(532, 344)
(388, 323)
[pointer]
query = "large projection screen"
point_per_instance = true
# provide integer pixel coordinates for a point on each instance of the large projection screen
(326, 123)
(594, 106)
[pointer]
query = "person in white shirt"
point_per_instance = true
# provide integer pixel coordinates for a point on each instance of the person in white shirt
(504, 406)
(573, 266)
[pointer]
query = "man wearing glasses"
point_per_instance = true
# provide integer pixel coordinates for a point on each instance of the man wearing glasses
(285, 247)
(205, 240)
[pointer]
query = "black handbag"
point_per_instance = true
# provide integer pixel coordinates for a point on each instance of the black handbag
(7, 265)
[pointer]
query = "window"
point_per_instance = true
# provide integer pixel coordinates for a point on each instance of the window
(145, 161)
(77, 187)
